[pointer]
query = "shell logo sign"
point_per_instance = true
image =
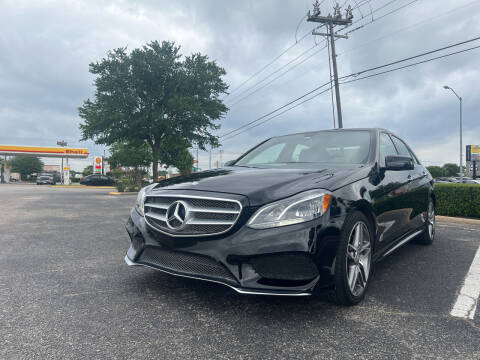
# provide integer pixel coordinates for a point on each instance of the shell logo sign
(13, 150)
(97, 164)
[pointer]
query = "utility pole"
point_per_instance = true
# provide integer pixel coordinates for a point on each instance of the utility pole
(330, 21)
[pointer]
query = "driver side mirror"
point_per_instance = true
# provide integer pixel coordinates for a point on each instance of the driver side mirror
(398, 163)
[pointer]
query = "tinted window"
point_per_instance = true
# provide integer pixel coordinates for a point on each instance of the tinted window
(268, 155)
(401, 147)
(386, 146)
(310, 150)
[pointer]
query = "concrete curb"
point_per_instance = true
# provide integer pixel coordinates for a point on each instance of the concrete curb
(457, 220)
(122, 193)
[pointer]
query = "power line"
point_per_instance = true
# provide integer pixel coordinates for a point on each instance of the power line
(270, 62)
(272, 73)
(276, 115)
(409, 27)
(277, 77)
(357, 6)
(357, 79)
(412, 57)
(381, 17)
(274, 111)
(413, 64)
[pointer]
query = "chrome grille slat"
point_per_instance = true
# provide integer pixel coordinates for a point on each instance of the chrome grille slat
(213, 210)
(156, 216)
(203, 216)
(158, 206)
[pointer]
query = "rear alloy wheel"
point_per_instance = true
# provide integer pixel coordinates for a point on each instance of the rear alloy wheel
(354, 260)
(428, 235)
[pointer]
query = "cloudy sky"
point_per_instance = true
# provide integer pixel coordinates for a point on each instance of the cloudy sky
(46, 47)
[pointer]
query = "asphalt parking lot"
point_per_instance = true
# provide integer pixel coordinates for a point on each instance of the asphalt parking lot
(66, 293)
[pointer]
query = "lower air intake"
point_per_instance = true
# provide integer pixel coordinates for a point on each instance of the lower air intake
(186, 264)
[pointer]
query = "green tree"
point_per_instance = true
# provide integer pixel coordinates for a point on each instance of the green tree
(26, 165)
(131, 154)
(436, 171)
(154, 95)
(451, 169)
(184, 162)
(88, 170)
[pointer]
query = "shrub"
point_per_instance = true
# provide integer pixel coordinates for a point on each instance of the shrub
(120, 186)
(458, 200)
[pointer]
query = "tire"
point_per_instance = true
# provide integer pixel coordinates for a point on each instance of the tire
(349, 261)
(428, 235)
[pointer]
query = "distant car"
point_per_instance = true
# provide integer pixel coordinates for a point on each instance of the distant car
(13, 180)
(45, 179)
(445, 180)
(98, 180)
(468, 181)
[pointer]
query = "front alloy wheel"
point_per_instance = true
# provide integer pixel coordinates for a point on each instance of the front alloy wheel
(426, 238)
(359, 257)
(353, 264)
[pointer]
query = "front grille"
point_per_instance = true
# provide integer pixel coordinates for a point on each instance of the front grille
(195, 215)
(186, 264)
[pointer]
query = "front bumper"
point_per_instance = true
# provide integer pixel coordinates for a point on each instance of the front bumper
(289, 261)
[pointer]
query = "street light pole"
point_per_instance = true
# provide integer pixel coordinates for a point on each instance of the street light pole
(461, 146)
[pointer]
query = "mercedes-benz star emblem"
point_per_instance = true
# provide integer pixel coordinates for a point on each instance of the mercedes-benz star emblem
(177, 215)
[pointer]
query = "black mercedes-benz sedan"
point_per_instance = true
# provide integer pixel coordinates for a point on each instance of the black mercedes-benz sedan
(296, 215)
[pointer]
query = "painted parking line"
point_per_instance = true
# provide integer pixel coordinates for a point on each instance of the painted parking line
(467, 299)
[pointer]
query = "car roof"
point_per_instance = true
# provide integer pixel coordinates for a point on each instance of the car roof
(374, 130)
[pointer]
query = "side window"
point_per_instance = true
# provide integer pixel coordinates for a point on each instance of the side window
(268, 155)
(401, 147)
(386, 147)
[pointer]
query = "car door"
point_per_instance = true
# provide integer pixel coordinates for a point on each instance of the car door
(94, 180)
(390, 197)
(104, 180)
(418, 187)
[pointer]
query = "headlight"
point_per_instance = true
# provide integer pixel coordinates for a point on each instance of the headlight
(140, 203)
(303, 207)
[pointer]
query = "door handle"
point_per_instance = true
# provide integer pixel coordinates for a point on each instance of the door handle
(409, 178)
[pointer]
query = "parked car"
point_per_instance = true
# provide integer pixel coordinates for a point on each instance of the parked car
(296, 215)
(445, 180)
(45, 179)
(98, 180)
(12, 179)
(469, 181)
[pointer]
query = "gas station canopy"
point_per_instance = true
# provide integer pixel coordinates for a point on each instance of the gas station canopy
(72, 153)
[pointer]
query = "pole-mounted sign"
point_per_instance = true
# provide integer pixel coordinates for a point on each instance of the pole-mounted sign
(473, 155)
(97, 165)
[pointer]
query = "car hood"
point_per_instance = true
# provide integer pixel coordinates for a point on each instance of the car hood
(262, 186)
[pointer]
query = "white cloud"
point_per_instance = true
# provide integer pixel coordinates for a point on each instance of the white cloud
(47, 46)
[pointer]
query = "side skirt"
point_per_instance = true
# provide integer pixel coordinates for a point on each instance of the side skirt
(402, 242)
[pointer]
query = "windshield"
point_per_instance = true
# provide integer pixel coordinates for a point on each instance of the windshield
(310, 150)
